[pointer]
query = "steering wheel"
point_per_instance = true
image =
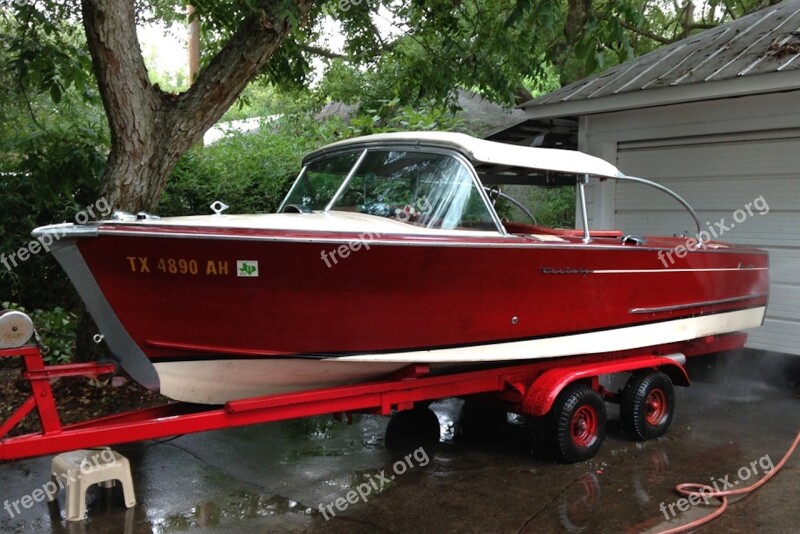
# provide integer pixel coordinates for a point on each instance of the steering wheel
(296, 208)
(494, 193)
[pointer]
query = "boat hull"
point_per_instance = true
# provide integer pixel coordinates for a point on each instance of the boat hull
(177, 297)
(396, 297)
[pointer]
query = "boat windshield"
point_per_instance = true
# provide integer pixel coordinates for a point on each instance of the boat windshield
(424, 189)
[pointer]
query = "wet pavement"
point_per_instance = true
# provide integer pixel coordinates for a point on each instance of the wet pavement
(730, 427)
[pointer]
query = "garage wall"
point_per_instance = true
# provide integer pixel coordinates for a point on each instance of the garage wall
(720, 156)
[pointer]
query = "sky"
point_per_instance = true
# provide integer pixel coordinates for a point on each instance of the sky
(164, 49)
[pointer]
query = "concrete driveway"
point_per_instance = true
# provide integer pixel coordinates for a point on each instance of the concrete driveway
(318, 475)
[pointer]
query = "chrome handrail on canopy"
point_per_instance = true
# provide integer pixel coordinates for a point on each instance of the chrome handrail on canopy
(671, 193)
(582, 181)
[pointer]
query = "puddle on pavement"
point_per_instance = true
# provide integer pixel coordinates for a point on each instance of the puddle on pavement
(237, 507)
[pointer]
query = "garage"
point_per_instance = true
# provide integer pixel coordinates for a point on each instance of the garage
(758, 171)
(717, 119)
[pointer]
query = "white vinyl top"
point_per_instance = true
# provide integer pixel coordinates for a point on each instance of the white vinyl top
(480, 150)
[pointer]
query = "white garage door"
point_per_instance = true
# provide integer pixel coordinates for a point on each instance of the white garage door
(719, 175)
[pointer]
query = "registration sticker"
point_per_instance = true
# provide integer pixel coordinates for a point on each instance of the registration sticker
(247, 268)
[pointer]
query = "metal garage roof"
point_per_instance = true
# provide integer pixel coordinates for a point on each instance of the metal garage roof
(748, 54)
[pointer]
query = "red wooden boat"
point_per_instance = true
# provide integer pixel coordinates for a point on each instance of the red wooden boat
(388, 250)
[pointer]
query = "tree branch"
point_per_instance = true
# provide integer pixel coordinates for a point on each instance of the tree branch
(646, 33)
(375, 31)
(701, 26)
(221, 82)
(319, 51)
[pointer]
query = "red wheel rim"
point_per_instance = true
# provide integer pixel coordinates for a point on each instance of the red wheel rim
(655, 407)
(583, 426)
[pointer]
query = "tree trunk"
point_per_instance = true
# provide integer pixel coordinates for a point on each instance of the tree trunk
(151, 129)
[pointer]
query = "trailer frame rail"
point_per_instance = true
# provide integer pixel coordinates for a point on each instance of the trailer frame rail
(529, 388)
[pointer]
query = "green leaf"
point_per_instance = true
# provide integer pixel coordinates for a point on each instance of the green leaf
(55, 93)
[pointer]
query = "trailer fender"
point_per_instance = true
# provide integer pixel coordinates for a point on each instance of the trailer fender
(542, 393)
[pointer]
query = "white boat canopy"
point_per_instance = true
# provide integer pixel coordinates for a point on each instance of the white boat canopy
(490, 152)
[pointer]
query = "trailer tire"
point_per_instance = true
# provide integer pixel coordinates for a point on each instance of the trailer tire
(577, 424)
(647, 405)
(413, 428)
(480, 420)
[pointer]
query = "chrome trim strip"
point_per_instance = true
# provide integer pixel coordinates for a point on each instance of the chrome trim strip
(695, 304)
(133, 360)
(60, 231)
(522, 243)
(668, 270)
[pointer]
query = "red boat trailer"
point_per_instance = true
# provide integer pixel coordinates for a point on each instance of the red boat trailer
(531, 388)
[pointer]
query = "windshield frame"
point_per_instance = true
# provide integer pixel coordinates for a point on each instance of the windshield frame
(347, 179)
(400, 147)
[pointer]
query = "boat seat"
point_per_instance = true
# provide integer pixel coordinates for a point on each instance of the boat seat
(522, 228)
(75, 471)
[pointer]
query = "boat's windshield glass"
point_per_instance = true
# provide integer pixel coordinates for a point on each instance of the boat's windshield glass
(424, 189)
(319, 181)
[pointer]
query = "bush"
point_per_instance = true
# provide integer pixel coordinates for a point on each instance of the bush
(56, 328)
(250, 172)
(58, 175)
(555, 207)
(391, 116)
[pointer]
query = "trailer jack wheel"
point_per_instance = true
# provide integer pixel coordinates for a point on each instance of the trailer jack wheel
(647, 405)
(577, 424)
(412, 428)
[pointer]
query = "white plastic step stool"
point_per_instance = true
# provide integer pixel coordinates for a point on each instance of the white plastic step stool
(77, 470)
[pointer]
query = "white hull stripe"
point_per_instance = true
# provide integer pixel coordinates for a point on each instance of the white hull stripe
(629, 337)
(218, 381)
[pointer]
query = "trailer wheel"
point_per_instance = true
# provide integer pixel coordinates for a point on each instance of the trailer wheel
(647, 406)
(412, 428)
(577, 423)
(479, 420)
